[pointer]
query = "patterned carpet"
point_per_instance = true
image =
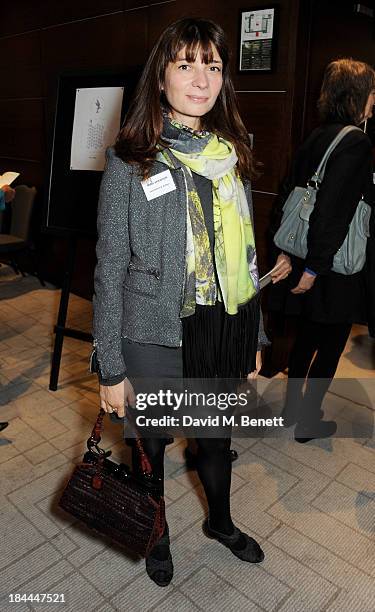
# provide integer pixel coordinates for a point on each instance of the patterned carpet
(312, 506)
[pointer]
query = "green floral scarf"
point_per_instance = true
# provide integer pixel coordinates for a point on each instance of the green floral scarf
(235, 257)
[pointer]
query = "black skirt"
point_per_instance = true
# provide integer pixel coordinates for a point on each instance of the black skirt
(216, 344)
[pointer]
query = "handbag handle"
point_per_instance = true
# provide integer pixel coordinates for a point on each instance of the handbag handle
(319, 174)
(95, 438)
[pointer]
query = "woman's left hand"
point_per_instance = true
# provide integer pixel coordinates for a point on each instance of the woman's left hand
(258, 365)
(305, 283)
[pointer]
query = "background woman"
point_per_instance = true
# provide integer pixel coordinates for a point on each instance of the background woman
(176, 284)
(328, 303)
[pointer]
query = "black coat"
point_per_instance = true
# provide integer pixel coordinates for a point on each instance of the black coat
(334, 298)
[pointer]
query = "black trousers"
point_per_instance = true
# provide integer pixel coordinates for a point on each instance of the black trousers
(314, 358)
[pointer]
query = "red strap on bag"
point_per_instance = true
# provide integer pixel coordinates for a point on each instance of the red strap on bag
(95, 438)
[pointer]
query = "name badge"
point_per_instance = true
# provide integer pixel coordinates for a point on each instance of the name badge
(158, 185)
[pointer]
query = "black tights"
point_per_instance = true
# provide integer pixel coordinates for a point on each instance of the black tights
(214, 468)
(327, 341)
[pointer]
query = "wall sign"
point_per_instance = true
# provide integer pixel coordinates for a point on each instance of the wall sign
(257, 39)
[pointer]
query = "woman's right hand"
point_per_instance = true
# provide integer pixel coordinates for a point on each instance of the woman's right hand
(284, 268)
(114, 398)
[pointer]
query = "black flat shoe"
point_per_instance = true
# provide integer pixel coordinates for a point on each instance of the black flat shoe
(322, 429)
(160, 571)
(292, 419)
(191, 458)
(3, 425)
(251, 552)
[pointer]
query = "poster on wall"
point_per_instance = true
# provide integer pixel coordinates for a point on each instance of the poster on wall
(257, 40)
(97, 118)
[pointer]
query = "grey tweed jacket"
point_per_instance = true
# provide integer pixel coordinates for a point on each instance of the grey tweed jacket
(140, 269)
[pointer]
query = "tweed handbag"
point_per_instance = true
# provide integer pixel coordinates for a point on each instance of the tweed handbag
(291, 236)
(115, 501)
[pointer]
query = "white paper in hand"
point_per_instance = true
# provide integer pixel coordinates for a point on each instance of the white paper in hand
(8, 177)
(266, 279)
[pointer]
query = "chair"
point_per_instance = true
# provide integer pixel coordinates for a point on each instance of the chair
(11, 245)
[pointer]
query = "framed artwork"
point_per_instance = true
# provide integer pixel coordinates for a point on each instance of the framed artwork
(258, 32)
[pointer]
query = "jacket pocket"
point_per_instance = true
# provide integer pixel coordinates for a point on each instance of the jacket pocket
(143, 280)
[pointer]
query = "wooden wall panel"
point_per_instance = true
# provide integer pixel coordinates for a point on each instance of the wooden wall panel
(92, 43)
(125, 36)
(70, 10)
(263, 203)
(20, 67)
(22, 129)
(300, 77)
(23, 15)
(135, 39)
(264, 116)
(20, 16)
(336, 31)
(136, 4)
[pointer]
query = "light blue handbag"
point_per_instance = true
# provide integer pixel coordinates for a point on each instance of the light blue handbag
(291, 237)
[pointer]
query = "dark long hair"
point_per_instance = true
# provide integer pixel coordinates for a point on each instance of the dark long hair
(142, 131)
(346, 87)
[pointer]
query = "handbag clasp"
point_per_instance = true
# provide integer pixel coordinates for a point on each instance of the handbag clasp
(93, 444)
(314, 182)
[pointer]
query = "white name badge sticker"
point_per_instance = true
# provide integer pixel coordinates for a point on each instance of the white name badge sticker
(158, 185)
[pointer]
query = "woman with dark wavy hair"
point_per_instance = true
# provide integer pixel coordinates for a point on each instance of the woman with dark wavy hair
(176, 283)
(326, 302)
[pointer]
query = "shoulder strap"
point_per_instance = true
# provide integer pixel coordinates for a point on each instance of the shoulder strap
(319, 174)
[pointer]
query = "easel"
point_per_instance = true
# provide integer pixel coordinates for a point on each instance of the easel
(60, 330)
(70, 204)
